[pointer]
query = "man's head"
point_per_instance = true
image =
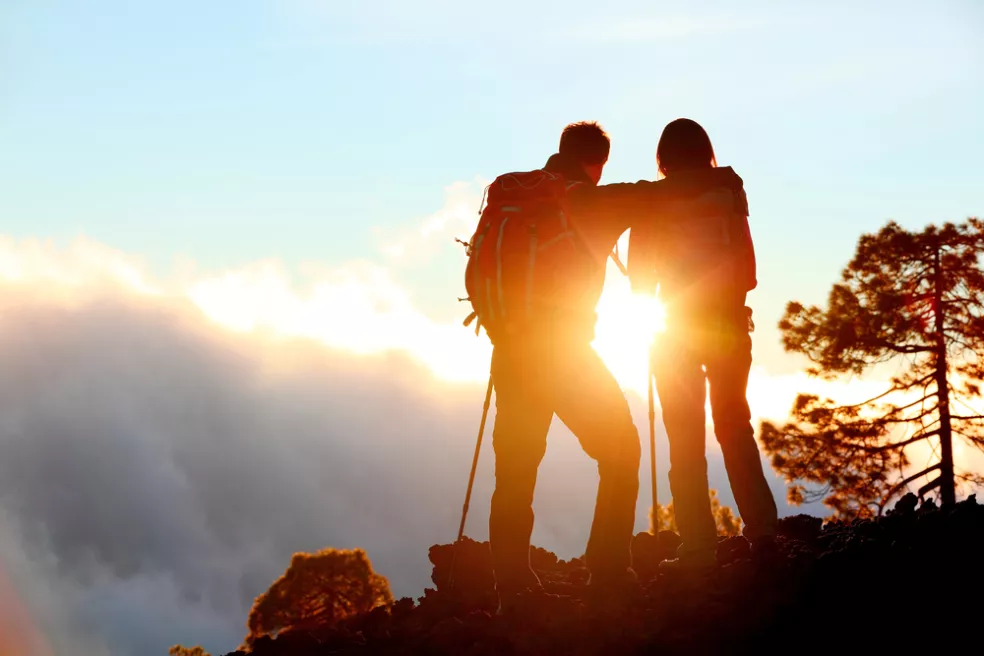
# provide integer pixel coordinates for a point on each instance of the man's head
(586, 143)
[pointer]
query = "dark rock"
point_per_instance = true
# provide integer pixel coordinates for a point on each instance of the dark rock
(541, 560)
(264, 646)
(401, 608)
(800, 527)
(906, 505)
(668, 543)
(733, 548)
(469, 561)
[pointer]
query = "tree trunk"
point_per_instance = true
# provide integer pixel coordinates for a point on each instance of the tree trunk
(948, 494)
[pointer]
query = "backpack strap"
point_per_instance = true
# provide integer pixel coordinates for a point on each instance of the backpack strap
(618, 261)
(472, 317)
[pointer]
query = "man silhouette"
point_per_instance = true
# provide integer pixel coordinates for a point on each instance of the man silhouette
(552, 369)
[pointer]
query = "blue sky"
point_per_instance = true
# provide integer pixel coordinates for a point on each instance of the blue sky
(230, 132)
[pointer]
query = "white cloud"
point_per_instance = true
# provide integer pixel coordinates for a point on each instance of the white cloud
(356, 307)
(82, 265)
(456, 219)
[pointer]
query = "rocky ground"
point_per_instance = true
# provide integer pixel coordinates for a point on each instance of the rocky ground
(911, 580)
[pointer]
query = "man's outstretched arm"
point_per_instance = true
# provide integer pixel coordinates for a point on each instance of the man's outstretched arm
(641, 256)
(605, 212)
(614, 208)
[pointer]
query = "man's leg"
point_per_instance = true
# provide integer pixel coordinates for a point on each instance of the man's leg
(727, 374)
(591, 403)
(519, 440)
(680, 384)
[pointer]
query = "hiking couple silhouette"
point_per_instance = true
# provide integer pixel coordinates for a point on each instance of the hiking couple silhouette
(535, 274)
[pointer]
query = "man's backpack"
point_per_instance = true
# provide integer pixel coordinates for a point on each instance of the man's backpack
(526, 260)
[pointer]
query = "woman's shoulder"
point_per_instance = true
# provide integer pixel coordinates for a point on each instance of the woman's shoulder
(702, 179)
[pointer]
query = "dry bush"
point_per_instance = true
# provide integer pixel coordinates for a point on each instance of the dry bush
(728, 523)
(318, 590)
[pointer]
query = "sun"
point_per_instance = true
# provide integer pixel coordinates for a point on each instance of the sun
(627, 326)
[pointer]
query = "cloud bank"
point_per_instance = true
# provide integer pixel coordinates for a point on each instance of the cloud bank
(158, 469)
(166, 446)
(158, 473)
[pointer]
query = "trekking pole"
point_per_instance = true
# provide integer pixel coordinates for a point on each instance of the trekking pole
(471, 480)
(650, 383)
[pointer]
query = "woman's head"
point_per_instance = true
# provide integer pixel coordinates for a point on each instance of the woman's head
(684, 145)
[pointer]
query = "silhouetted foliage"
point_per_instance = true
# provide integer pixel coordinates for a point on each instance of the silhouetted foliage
(912, 299)
(727, 522)
(178, 650)
(662, 518)
(318, 590)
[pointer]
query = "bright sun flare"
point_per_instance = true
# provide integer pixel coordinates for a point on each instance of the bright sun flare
(627, 325)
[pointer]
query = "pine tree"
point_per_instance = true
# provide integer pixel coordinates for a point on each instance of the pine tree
(911, 300)
(178, 650)
(318, 590)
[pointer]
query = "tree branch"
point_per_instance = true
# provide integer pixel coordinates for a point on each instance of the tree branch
(903, 386)
(903, 348)
(896, 387)
(899, 445)
(903, 420)
(901, 484)
(936, 482)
